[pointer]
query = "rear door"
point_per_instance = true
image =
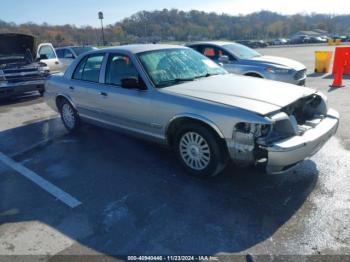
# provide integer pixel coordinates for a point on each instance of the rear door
(47, 55)
(85, 80)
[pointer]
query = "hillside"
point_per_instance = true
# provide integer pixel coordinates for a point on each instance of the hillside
(175, 25)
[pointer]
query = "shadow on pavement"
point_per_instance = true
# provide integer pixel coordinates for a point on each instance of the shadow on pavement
(137, 200)
(330, 76)
(314, 74)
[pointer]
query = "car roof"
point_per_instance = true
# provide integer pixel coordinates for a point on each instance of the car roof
(140, 48)
(73, 46)
(217, 43)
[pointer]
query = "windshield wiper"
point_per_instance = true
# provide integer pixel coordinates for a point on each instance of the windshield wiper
(175, 81)
(206, 75)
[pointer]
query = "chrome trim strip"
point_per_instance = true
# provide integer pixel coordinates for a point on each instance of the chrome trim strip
(160, 137)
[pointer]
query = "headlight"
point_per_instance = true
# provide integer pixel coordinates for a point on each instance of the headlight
(257, 130)
(2, 75)
(45, 70)
(276, 70)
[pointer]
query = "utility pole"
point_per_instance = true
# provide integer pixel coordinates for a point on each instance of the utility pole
(100, 16)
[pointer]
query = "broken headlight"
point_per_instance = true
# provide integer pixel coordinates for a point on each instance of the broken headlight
(257, 130)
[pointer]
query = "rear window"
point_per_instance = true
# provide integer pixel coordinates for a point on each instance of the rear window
(89, 68)
(60, 53)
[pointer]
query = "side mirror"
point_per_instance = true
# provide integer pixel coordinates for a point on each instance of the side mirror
(132, 83)
(43, 57)
(224, 59)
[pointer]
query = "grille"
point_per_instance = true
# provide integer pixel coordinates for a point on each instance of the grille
(20, 75)
(17, 79)
(20, 70)
(300, 74)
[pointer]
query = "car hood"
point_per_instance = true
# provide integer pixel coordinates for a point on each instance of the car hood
(253, 94)
(280, 61)
(16, 44)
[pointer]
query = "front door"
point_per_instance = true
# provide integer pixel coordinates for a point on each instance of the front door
(126, 108)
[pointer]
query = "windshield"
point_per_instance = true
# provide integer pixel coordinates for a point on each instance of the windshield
(81, 50)
(241, 51)
(172, 66)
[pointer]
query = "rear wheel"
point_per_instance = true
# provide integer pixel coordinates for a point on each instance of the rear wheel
(200, 151)
(69, 116)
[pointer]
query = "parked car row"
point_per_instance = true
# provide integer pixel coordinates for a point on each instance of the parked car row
(182, 99)
(254, 43)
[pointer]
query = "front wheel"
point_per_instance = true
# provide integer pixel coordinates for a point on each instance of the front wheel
(69, 116)
(200, 151)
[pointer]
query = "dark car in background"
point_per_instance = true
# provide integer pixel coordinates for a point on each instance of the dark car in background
(20, 71)
(253, 43)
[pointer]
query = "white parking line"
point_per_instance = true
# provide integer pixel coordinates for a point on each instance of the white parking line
(41, 182)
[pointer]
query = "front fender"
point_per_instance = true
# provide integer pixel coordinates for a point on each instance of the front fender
(195, 117)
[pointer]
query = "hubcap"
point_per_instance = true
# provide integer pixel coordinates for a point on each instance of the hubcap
(68, 116)
(194, 150)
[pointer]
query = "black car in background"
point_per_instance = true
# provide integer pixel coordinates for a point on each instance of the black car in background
(253, 43)
(20, 72)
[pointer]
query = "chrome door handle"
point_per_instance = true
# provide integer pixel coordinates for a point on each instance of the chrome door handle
(71, 87)
(103, 94)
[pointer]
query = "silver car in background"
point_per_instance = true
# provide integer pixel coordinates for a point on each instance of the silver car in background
(240, 59)
(68, 53)
(180, 98)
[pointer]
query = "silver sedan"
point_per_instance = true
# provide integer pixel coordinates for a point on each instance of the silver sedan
(240, 59)
(180, 98)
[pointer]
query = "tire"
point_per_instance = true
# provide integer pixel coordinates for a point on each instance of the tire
(200, 151)
(41, 93)
(69, 116)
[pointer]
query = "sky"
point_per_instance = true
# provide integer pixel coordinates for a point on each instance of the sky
(84, 12)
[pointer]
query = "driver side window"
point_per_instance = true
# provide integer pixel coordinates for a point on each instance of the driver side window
(119, 67)
(213, 52)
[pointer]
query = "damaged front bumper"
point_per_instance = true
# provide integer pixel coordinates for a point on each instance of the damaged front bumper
(282, 155)
(286, 154)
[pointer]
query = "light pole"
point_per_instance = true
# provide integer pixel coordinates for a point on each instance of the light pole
(100, 16)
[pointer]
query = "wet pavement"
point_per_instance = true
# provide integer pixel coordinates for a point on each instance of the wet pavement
(135, 198)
